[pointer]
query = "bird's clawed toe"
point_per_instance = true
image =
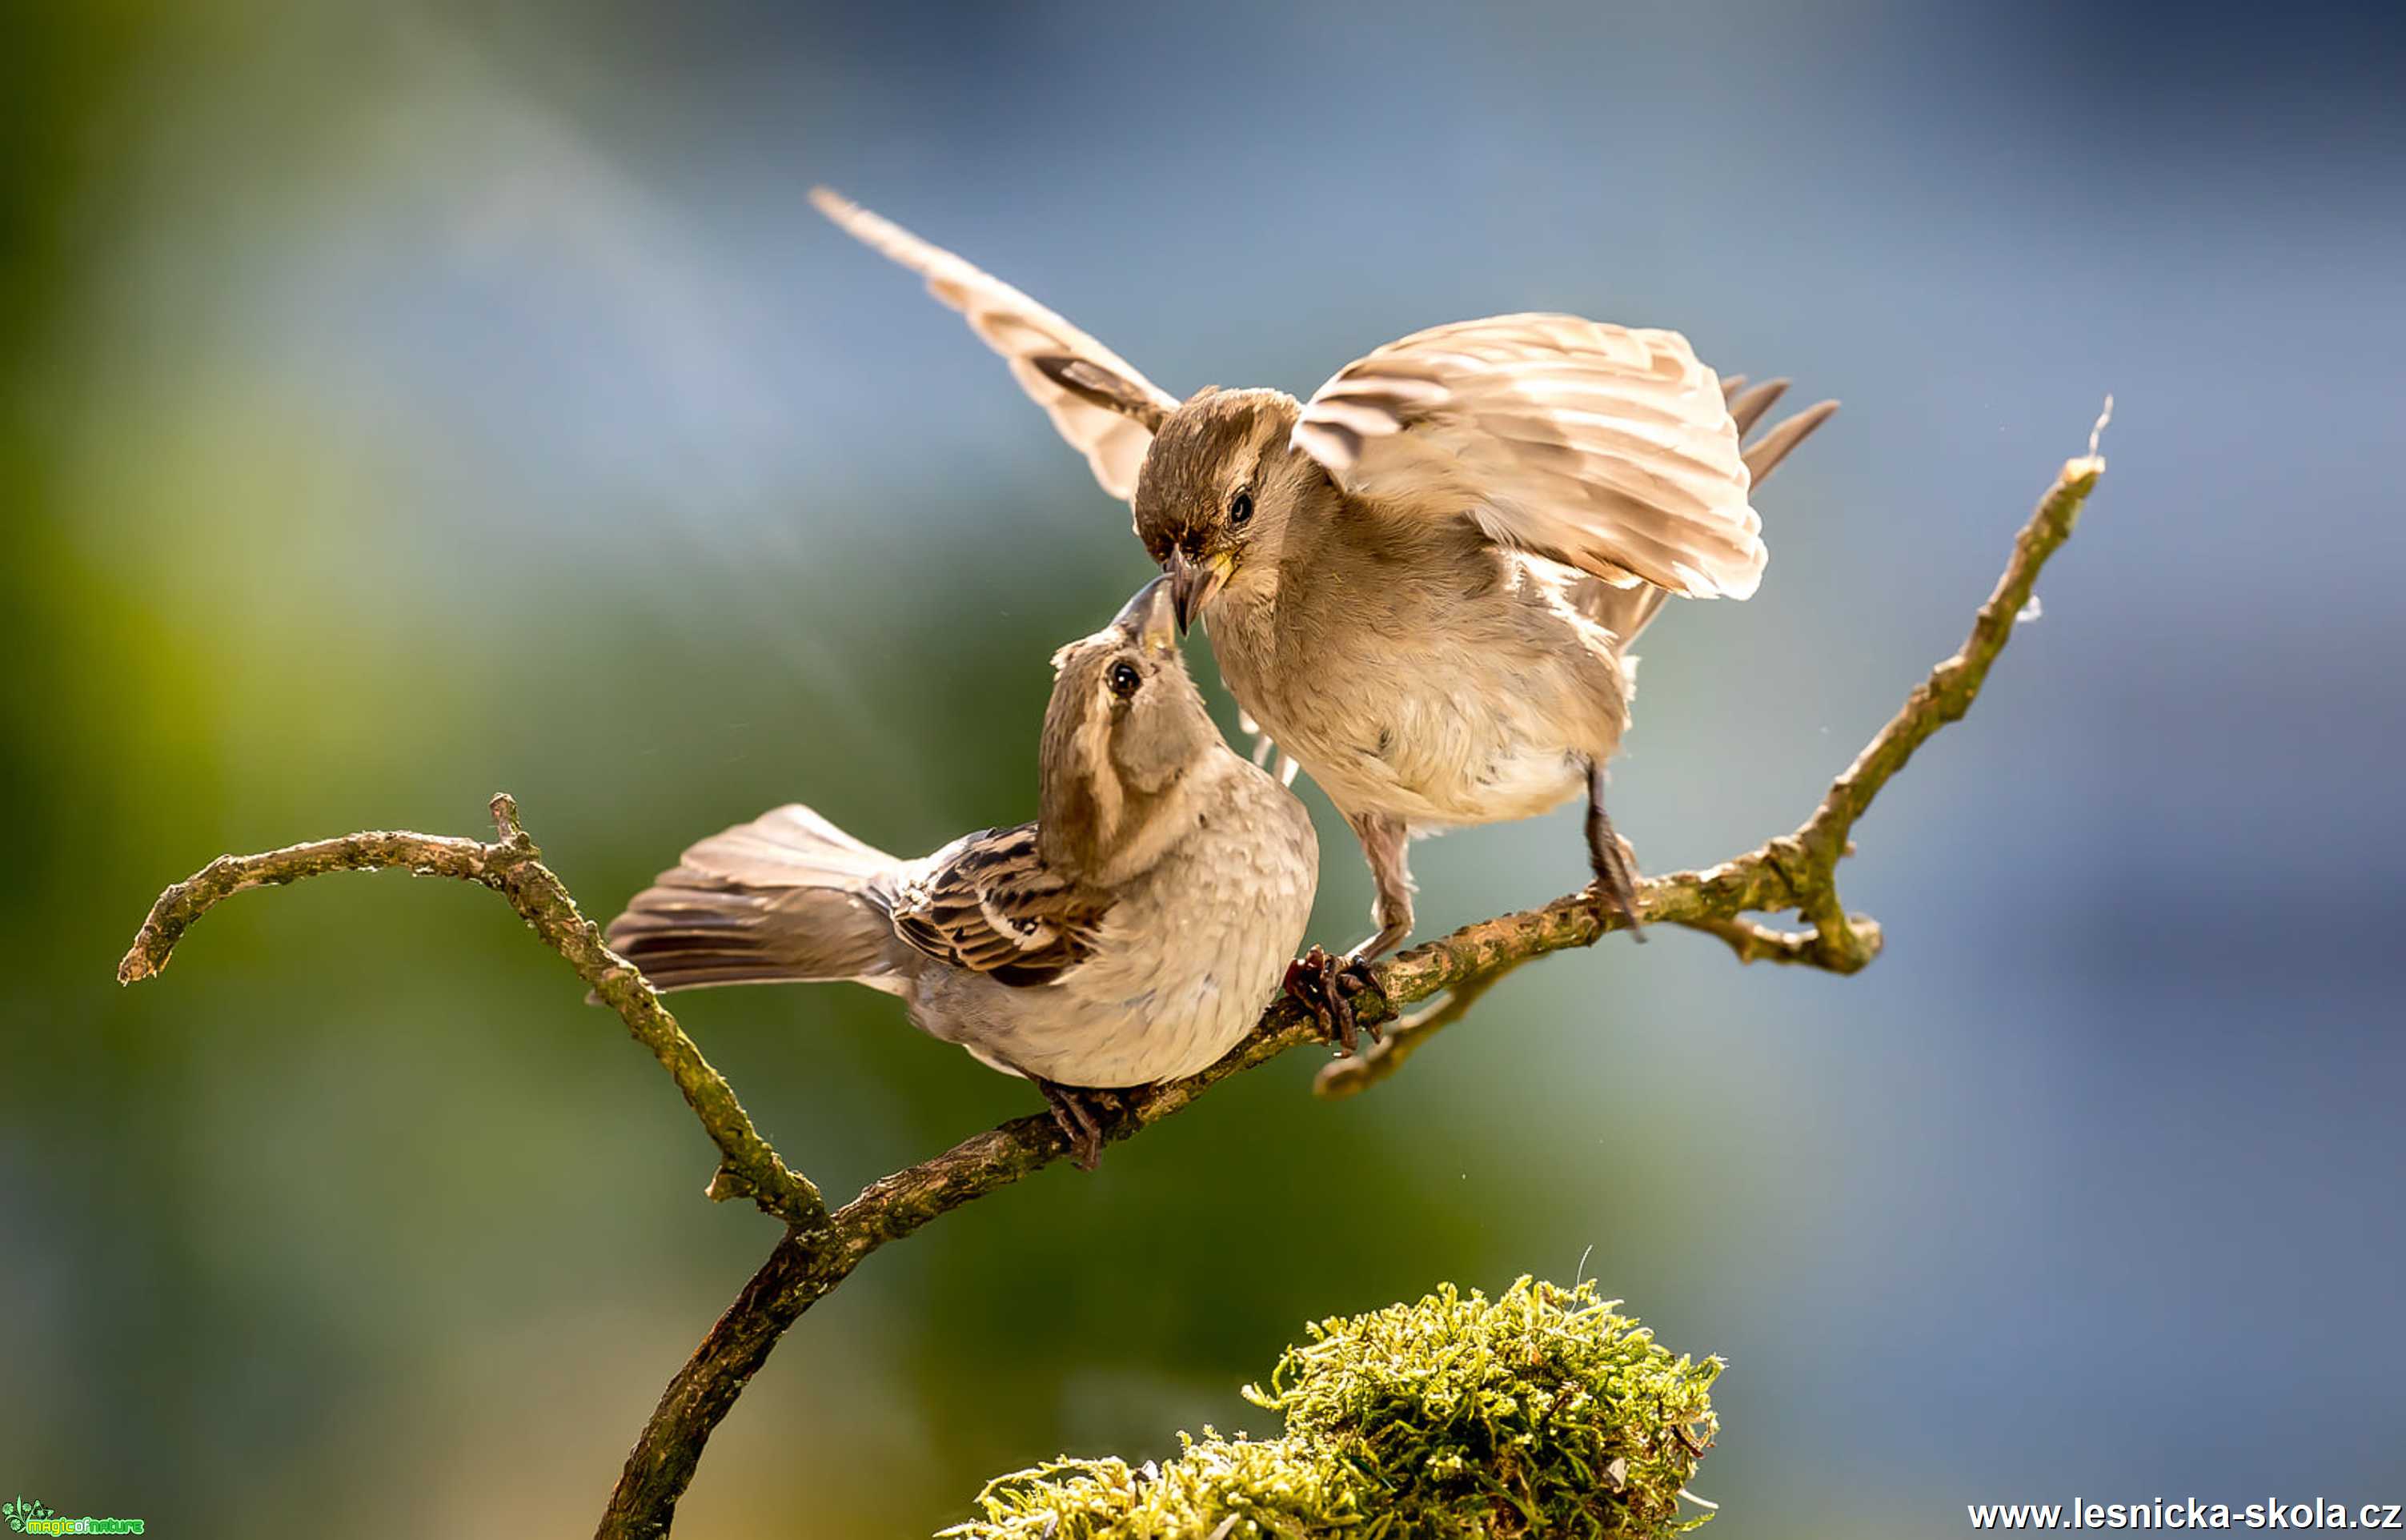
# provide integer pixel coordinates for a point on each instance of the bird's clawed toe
(1327, 986)
(1613, 862)
(1077, 1122)
(1616, 892)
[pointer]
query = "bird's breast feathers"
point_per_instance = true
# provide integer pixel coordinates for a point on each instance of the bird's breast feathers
(1434, 706)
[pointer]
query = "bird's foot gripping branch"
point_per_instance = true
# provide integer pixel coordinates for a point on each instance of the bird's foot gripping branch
(1793, 873)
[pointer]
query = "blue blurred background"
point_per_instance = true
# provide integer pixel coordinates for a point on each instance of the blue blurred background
(404, 402)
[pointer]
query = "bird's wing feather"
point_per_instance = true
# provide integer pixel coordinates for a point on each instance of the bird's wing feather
(987, 902)
(1022, 331)
(1611, 449)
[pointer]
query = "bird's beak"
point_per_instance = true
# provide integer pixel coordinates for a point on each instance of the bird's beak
(1151, 618)
(1193, 586)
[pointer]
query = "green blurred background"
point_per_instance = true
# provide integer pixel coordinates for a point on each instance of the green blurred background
(400, 403)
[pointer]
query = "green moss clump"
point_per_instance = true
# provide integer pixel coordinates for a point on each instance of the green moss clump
(1538, 1413)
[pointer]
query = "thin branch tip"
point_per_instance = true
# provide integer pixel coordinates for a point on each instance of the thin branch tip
(2097, 429)
(504, 809)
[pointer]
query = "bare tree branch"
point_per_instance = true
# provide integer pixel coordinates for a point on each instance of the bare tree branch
(1941, 698)
(1760, 943)
(1791, 872)
(1358, 1072)
(512, 866)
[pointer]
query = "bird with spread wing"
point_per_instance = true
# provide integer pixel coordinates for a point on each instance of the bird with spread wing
(1421, 582)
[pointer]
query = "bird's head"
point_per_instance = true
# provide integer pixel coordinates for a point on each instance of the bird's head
(1219, 486)
(1220, 483)
(1125, 727)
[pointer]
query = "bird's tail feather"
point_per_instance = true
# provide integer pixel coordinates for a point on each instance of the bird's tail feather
(1748, 407)
(787, 897)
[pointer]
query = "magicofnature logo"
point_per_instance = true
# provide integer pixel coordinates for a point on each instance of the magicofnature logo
(27, 1516)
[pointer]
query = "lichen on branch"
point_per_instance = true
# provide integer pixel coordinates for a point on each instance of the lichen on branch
(1541, 1411)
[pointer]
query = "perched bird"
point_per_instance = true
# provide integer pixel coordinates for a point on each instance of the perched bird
(1422, 582)
(1133, 933)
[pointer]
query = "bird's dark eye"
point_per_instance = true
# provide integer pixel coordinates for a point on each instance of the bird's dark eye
(1124, 679)
(1240, 508)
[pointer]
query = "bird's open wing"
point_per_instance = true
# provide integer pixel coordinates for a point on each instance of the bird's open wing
(1607, 449)
(988, 902)
(1101, 405)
